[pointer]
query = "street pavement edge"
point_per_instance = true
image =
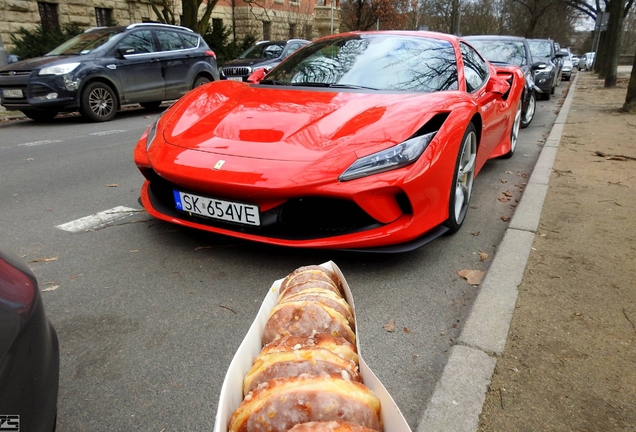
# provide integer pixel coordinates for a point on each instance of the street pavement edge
(459, 395)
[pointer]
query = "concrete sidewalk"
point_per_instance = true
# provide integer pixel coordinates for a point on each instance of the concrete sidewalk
(459, 394)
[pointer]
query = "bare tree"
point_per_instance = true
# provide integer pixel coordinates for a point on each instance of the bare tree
(630, 99)
(165, 11)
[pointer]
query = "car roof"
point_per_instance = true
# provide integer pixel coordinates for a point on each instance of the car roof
(495, 37)
(136, 25)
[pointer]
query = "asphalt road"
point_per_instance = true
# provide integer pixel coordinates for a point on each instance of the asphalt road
(149, 315)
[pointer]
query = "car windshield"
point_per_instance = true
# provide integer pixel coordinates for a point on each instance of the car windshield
(85, 43)
(263, 51)
(379, 62)
(540, 48)
(498, 51)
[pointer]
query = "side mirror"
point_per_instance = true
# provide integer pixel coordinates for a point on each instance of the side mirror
(538, 66)
(123, 51)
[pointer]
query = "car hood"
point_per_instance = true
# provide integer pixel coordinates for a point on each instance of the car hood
(239, 119)
(38, 62)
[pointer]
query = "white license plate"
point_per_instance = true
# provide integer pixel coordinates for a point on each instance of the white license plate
(246, 214)
(12, 93)
(235, 78)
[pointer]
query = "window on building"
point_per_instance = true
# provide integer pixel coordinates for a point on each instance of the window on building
(217, 24)
(267, 30)
(48, 16)
(321, 2)
(104, 17)
(292, 30)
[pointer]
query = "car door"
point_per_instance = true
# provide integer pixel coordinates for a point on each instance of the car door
(176, 59)
(476, 74)
(140, 72)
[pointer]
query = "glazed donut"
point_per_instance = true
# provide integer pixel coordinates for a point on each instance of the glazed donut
(306, 360)
(304, 318)
(332, 426)
(280, 404)
(307, 274)
(337, 345)
(325, 297)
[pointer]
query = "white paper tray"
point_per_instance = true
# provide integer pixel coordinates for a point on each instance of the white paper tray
(232, 390)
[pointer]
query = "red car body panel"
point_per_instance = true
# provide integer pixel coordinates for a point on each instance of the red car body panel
(278, 144)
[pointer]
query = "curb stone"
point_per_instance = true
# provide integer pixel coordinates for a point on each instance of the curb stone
(459, 394)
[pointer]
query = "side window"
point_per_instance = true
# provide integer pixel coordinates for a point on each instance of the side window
(291, 48)
(169, 40)
(141, 41)
(475, 68)
(189, 40)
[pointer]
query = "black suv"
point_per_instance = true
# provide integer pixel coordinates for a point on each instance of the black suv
(266, 54)
(104, 68)
(548, 71)
(511, 50)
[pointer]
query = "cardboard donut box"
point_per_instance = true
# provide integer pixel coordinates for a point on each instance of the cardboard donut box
(232, 389)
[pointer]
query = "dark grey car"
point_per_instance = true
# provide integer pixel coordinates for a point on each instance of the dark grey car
(548, 73)
(266, 54)
(104, 68)
(511, 50)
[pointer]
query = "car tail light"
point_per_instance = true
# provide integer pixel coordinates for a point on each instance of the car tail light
(210, 53)
(17, 289)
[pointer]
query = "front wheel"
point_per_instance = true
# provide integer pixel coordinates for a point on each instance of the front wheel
(514, 133)
(531, 108)
(463, 179)
(98, 102)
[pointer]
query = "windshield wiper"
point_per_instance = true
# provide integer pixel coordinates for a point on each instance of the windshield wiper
(331, 85)
(273, 82)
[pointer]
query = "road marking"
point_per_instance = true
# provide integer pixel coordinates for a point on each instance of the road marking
(108, 132)
(98, 219)
(37, 143)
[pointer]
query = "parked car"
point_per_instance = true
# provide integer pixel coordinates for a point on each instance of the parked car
(511, 50)
(103, 68)
(29, 352)
(547, 74)
(356, 141)
(265, 54)
(575, 61)
(568, 65)
(586, 62)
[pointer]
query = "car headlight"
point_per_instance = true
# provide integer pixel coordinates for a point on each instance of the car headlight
(152, 133)
(392, 158)
(59, 69)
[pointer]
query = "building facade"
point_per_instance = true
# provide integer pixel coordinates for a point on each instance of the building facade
(264, 19)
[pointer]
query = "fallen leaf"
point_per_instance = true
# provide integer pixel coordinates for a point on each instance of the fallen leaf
(503, 199)
(30, 159)
(476, 233)
(483, 256)
(507, 193)
(134, 250)
(406, 330)
(390, 326)
(504, 181)
(45, 259)
(509, 172)
(473, 277)
(51, 288)
(112, 185)
(505, 218)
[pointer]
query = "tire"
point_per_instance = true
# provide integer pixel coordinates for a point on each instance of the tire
(552, 90)
(547, 96)
(98, 102)
(463, 179)
(151, 105)
(40, 116)
(531, 109)
(514, 133)
(199, 81)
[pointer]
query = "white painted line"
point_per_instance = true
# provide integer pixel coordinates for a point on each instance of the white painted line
(37, 143)
(108, 132)
(98, 219)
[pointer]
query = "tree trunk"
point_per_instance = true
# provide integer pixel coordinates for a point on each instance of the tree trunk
(614, 42)
(630, 99)
(602, 50)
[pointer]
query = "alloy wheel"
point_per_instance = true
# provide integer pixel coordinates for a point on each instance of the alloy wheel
(465, 176)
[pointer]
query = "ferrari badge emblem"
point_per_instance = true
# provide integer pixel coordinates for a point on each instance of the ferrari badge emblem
(219, 164)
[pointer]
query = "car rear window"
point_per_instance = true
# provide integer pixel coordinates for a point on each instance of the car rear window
(169, 40)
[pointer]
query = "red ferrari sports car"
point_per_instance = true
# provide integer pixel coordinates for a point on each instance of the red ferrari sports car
(365, 141)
